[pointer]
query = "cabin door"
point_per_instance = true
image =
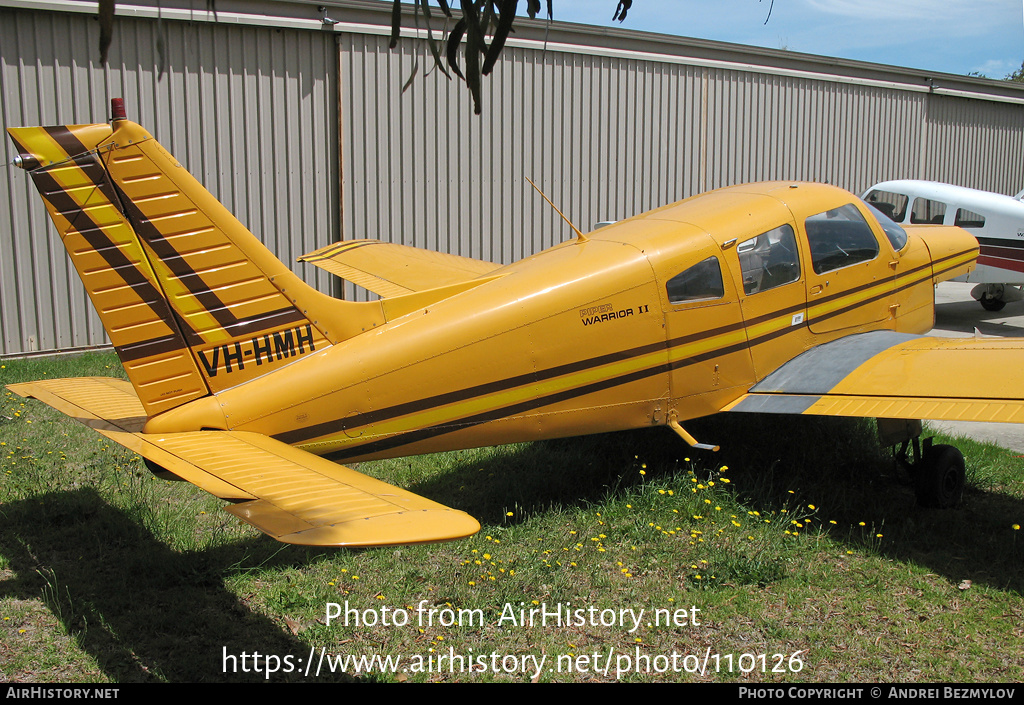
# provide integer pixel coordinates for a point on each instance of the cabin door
(851, 277)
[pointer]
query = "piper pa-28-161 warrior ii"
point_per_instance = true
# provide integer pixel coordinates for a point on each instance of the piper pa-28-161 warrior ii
(786, 297)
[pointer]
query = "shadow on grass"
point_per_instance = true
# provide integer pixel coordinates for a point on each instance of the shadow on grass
(774, 462)
(144, 612)
(147, 613)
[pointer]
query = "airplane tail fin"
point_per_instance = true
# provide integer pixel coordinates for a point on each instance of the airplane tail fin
(191, 300)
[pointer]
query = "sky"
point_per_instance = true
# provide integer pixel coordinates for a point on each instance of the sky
(954, 36)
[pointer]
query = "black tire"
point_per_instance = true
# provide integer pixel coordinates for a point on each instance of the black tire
(940, 478)
(991, 303)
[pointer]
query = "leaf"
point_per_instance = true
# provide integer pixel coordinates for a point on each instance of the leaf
(475, 45)
(161, 45)
(412, 76)
(431, 43)
(507, 14)
(454, 39)
(106, 15)
(396, 23)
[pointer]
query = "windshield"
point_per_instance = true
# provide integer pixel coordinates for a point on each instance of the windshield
(897, 235)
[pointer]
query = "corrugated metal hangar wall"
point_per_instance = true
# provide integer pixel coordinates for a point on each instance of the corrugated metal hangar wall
(302, 128)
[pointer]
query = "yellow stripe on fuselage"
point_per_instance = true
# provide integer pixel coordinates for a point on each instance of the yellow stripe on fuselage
(452, 413)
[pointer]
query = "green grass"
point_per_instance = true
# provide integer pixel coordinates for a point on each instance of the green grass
(799, 541)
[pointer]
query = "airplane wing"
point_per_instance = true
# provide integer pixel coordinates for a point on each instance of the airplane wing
(883, 374)
(287, 493)
(388, 269)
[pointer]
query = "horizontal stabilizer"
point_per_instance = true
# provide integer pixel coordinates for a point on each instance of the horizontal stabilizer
(388, 269)
(287, 493)
(892, 375)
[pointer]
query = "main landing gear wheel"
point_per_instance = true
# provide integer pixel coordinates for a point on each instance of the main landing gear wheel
(991, 303)
(936, 471)
(939, 477)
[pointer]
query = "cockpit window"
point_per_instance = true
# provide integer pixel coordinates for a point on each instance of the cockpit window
(769, 260)
(700, 282)
(839, 238)
(892, 205)
(897, 235)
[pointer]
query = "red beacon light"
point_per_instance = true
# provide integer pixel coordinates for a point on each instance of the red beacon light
(117, 110)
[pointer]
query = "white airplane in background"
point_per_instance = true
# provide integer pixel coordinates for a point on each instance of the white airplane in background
(996, 220)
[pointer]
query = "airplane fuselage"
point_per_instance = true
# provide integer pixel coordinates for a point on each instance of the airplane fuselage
(629, 328)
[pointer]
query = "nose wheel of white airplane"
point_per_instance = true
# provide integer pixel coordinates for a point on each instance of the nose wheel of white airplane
(937, 471)
(991, 303)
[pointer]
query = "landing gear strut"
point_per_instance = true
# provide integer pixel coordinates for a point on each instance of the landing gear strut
(937, 470)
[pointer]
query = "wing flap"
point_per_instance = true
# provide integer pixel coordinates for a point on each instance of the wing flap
(389, 269)
(891, 375)
(289, 494)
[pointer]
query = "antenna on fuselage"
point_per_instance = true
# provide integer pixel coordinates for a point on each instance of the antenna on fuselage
(580, 237)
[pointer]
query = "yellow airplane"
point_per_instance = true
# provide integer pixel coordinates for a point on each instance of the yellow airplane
(782, 297)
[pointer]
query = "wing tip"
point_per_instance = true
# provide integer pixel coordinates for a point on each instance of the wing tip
(398, 529)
